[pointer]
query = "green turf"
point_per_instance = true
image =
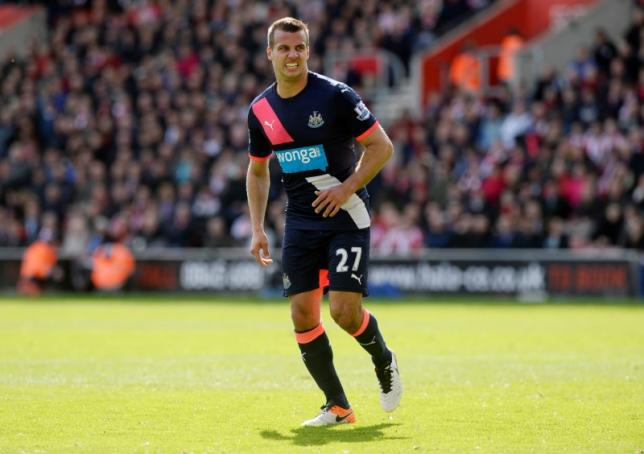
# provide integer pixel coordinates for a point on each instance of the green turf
(78, 376)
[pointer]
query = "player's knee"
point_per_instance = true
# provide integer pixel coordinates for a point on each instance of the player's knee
(338, 315)
(304, 316)
(345, 316)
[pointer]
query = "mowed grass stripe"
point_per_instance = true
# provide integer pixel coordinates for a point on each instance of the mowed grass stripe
(77, 376)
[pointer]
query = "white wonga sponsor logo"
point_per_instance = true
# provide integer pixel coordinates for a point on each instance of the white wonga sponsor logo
(303, 155)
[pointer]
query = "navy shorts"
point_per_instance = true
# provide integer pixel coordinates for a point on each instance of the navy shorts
(345, 254)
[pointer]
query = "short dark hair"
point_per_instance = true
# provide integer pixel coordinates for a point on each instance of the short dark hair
(287, 24)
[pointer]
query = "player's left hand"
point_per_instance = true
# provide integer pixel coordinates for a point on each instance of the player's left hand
(329, 201)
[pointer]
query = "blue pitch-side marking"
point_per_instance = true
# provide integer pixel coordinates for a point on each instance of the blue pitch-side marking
(302, 159)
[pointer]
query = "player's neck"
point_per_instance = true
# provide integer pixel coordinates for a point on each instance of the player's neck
(290, 88)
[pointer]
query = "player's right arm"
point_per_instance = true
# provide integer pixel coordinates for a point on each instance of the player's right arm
(257, 186)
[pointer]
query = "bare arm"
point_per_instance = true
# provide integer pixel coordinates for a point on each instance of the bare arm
(257, 185)
(378, 150)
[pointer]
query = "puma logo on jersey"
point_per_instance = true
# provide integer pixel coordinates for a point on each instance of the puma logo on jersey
(269, 124)
(355, 276)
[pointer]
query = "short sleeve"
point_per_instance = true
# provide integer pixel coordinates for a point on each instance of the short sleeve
(355, 114)
(259, 148)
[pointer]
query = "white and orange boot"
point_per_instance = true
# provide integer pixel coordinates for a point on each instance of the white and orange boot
(332, 415)
(390, 385)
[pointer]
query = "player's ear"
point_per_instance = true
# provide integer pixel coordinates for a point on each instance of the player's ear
(269, 53)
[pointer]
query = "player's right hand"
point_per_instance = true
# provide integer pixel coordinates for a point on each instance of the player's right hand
(259, 249)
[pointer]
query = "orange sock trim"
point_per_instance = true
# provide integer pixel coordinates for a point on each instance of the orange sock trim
(365, 322)
(310, 335)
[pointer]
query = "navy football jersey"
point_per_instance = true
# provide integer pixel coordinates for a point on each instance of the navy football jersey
(313, 135)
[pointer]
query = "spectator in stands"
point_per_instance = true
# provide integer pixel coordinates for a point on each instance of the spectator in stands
(112, 266)
(505, 234)
(404, 236)
(437, 234)
(633, 234)
(609, 228)
(490, 130)
(465, 69)
(76, 236)
(604, 51)
(180, 231)
(461, 226)
(633, 35)
(217, 233)
(479, 231)
(638, 193)
(516, 124)
(38, 268)
(555, 237)
(582, 66)
(510, 45)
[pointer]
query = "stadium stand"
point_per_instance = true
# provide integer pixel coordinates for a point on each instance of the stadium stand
(130, 122)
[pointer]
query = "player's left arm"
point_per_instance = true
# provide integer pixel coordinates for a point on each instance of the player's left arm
(377, 151)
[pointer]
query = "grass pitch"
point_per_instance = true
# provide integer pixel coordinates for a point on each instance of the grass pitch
(157, 376)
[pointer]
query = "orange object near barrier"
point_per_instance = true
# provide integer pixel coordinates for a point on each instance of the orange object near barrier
(465, 72)
(112, 265)
(38, 261)
(510, 45)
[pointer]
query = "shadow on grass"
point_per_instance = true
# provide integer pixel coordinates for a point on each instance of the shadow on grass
(316, 436)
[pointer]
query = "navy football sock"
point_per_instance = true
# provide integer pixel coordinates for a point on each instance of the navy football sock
(370, 338)
(318, 358)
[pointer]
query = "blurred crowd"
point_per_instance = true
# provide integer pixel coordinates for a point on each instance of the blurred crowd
(555, 165)
(130, 122)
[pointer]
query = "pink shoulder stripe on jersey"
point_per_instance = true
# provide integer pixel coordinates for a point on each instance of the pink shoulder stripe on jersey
(367, 132)
(273, 127)
(259, 158)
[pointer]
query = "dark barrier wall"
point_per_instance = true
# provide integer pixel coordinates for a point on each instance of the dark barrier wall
(518, 273)
(559, 278)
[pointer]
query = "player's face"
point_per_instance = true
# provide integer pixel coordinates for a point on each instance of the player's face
(289, 55)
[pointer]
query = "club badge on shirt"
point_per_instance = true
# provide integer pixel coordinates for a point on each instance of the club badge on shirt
(315, 119)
